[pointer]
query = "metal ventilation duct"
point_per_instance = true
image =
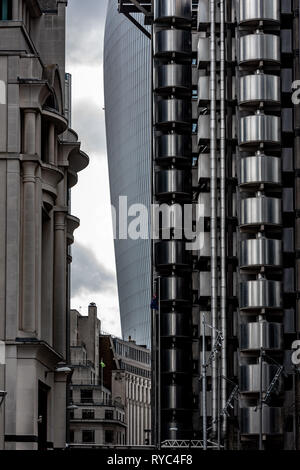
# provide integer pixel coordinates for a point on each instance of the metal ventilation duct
(272, 422)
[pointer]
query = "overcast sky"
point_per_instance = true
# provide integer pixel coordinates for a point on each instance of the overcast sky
(93, 267)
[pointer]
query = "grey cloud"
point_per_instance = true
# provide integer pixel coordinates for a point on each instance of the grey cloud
(90, 125)
(85, 28)
(88, 274)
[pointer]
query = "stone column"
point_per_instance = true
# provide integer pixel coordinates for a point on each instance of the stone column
(60, 274)
(15, 9)
(38, 137)
(51, 144)
(29, 131)
(28, 322)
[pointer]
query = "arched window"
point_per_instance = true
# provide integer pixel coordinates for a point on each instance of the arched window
(5, 10)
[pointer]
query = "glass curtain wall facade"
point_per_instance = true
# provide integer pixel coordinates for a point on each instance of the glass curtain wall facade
(127, 75)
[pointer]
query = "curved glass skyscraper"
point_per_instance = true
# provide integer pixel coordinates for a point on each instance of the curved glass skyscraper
(127, 75)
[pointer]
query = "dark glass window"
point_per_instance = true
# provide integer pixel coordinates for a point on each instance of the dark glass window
(88, 414)
(86, 396)
(5, 10)
(109, 414)
(88, 436)
(71, 436)
(109, 437)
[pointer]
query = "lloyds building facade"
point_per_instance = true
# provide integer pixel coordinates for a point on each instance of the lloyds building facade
(226, 139)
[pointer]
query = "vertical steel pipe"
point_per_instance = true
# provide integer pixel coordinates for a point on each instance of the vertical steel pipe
(213, 199)
(223, 211)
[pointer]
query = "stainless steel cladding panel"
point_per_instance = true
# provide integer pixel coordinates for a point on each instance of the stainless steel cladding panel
(259, 128)
(263, 10)
(176, 360)
(259, 46)
(170, 76)
(260, 294)
(169, 41)
(174, 289)
(260, 252)
(250, 421)
(171, 252)
(169, 146)
(173, 110)
(203, 15)
(176, 397)
(259, 87)
(254, 336)
(249, 379)
(203, 89)
(260, 211)
(203, 54)
(175, 324)
(204, 165)
(172, 182)
(260, 169)
(165, 10)
(204, 127)
(171, 218)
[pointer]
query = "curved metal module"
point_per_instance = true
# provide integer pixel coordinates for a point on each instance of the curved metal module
(169, 147)
(171, 182)
(259, 128)
(257, 335)
(168, 42)
(260, 169)
(259, 47)
(258, 10)
(259, 87)
(272, 422)
(169, 111)
(172, 77)
(260, 294)
(175, 324)
(175, 289)
(260, 210)
(172, 253)
(260, 252)
(172, 10)
(249, 378)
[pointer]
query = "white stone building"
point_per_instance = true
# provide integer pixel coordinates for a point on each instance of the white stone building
(40, 157)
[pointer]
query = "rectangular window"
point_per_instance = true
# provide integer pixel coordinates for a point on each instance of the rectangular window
(88, 437)
(5, 10)
(86, 396)
(109, 414)
(71, 436)
(88, 414)
(109, 437)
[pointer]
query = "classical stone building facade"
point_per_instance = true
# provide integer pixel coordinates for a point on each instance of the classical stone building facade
(129, 372)
(40, 157)
(96, 415)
